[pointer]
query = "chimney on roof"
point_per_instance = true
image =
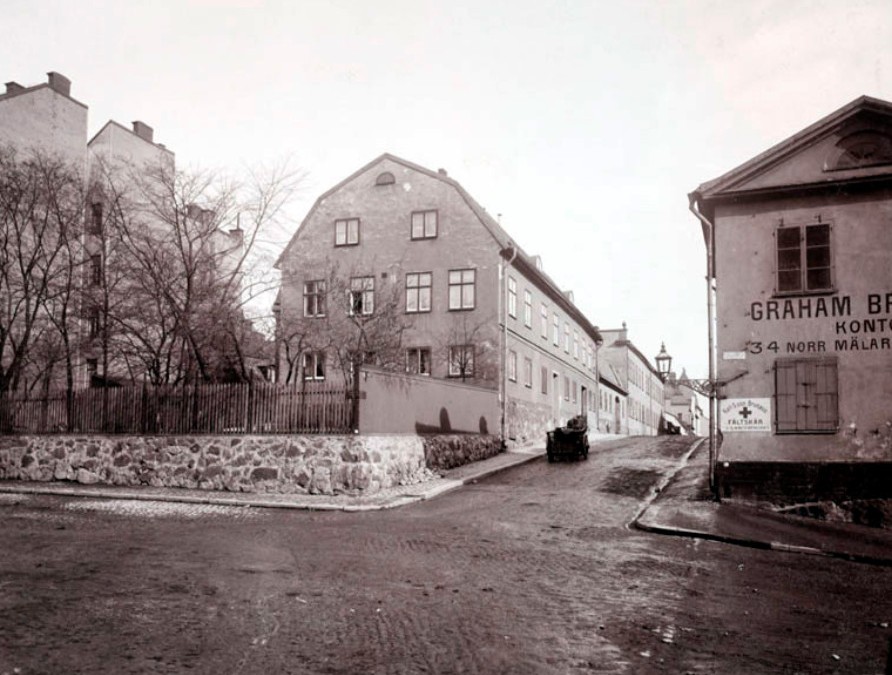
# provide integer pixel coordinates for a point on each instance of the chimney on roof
(624, 333)
(442, 172)
(143, 130)
(569, 295)
(537, 261)
(59, 83)
(13, 87)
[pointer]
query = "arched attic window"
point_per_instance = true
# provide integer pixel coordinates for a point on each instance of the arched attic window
(861, 149)
(385, 178)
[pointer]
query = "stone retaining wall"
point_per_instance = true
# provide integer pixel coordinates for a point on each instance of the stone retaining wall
(447, 452)
(311, 464)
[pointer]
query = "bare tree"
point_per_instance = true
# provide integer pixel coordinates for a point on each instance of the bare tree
(175, 282)
(360, 320)
(41, 210)
(467, 349)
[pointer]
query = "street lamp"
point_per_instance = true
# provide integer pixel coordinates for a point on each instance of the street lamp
(664, 362)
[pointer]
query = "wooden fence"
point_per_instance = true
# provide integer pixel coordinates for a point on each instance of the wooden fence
(204, 409)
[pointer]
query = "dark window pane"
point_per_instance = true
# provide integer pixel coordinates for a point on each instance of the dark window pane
(788, 259)
(819, 278)
(818, 256)
(817, 235)
(789, 281)
(788, 237)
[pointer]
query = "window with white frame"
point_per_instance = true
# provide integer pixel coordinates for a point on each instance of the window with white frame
(556, 330)
(543, 316)
(512, 365)
(347, 232)
(566, 337)
(512, 298)
(528, 372)
(361, 296)
(462, 289)
(461, 361)
(543, 373)
(314, 298)
(575, 344)
(418, 360)
(566, 388)
(314, 365)
(803, 258)
(418, 292)
(527, 309)
(424, 224)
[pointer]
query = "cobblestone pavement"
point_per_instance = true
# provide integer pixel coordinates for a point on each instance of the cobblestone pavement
(533, 570)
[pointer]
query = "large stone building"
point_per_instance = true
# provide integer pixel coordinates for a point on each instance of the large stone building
(409, 245)
(45, 117)
(44, 120)
(799, 240)
(640, 379)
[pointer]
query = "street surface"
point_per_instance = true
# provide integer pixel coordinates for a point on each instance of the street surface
(533, 570)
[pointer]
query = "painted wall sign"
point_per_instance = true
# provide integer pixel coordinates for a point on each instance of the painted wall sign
(745, 414)
(852, 331)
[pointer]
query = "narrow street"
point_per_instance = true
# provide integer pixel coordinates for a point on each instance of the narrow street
(534, 570)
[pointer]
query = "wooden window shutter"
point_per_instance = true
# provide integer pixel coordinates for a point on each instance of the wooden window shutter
(785, 395)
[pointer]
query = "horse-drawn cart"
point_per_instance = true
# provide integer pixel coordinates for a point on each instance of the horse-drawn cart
(568, 441)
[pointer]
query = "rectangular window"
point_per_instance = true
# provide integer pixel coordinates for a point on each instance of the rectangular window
(314, 366)
(461, 361)
(528, 372)
(461, 289)
(543, 320)
(96, 269)
(347, 232)
(566, 337)
(544, 374)
(418, 360)
(512, 298)
(314, 298)
(512, 365)
(575, 390)
(575, 344)
(556, 330)
(94, 322)
(527, 309)
(418, 292)
(361, 296)
(96, 218)
(566, 388)
(806, 393)
(803, 258)
(424, 224)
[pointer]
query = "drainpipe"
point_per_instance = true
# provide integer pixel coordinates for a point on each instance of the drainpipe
(503, 317)
(710, 311)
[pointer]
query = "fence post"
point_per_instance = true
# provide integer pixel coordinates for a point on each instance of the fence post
(249, 409)
(354, 412)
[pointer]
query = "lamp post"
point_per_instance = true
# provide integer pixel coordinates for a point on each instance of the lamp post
(708, 388)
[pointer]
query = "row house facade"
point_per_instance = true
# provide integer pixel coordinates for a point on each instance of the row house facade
(640, 379)
(612, 400)
(407, 246)
(798, 240)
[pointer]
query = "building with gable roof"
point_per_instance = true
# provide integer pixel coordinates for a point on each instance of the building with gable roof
(643, 405)
(798, 242)
(612, 399)
(475, 307)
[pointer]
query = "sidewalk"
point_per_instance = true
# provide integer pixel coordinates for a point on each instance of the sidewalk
(384, 499)
(684, 507)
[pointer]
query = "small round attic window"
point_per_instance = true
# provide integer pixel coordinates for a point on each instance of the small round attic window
(385, 178)
(862, 149)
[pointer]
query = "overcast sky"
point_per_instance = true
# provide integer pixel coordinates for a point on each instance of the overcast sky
(585, 124)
